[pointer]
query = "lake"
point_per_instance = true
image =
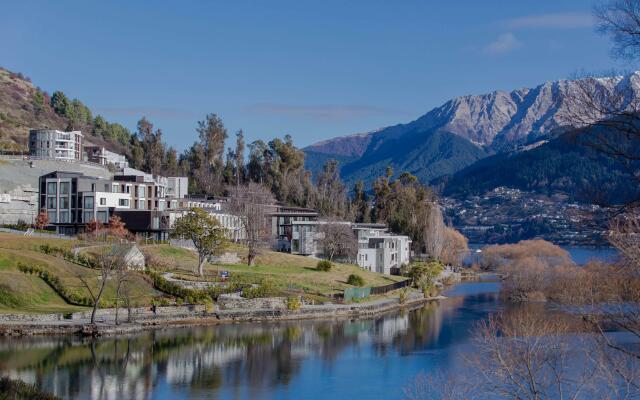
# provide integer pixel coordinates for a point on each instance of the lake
(579, 254)
(360, 359)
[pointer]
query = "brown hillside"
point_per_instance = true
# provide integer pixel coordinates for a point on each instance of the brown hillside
(23, 106)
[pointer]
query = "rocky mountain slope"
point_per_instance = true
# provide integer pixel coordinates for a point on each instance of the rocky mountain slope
(24, 106)
(460, 132)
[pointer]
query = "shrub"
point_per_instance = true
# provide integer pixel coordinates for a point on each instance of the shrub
(14, 389)
(293, 303)
(355, 280)
(265, 289)
(55, 283)
(422, 274)
(188, 295)
(324, 265)
(404, 295)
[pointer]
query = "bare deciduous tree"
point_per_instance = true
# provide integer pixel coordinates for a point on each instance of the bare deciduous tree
(109, 259)
(338, 240)
(251, 203)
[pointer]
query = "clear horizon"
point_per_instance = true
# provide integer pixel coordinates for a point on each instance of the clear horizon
(314, 71)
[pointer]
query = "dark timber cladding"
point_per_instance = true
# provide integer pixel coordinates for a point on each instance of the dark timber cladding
(72, 200)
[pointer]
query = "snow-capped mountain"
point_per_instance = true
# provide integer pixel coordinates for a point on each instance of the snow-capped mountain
(488, 123)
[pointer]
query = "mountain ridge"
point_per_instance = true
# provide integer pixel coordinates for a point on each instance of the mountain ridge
(494, 122)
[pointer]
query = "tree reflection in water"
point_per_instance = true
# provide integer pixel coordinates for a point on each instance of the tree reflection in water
(239, 360)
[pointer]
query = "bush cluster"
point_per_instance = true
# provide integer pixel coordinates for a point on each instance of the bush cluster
(68, 255)
(324, 265)
(264, 289)
(14, 389)
(56, 284)
(293, 303)
(189, 296)
(355, 280)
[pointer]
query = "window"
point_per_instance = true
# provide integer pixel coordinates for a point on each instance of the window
(64, 217)
(87, 216)
(52, 188)
(128, 189)
(123, 202)
(88, 202)
(64, 187)
(52, 217)
(116, 188)
(64, 202)
(103, 201)
(102, 216)
(51, 202)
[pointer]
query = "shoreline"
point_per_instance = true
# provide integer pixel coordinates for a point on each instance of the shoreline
(203, 318)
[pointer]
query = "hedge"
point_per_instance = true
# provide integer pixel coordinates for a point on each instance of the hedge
(189, 296)
(56, 284)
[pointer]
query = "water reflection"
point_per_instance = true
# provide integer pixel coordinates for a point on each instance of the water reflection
(306, 359)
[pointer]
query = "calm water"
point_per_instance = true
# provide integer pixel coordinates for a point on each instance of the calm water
(579, 254)
(371, 359)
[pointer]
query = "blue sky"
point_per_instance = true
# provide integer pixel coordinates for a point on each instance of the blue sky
(311, 69)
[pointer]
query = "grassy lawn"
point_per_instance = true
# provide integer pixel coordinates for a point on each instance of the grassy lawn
(20, 292)
(285, 270)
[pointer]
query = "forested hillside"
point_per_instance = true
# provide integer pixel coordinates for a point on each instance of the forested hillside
(568, 165)
(24, 106)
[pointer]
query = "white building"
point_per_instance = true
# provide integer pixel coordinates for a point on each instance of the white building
(232, 223)
(55, 144)
(102, 156)
(381, 251)
(178, 186)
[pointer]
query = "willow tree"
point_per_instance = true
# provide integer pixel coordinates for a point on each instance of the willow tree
(204, 230)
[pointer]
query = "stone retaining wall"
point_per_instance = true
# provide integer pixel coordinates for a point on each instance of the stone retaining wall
(102, 313)
(234, 301)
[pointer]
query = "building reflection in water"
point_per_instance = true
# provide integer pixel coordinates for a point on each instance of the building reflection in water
(241, 359)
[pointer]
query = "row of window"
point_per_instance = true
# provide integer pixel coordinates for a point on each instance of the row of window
(67, 217)
(66, 204)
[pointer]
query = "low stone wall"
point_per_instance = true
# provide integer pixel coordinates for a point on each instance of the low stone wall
(234, 301)
(31, 317)
(143, 312)
(138, 313)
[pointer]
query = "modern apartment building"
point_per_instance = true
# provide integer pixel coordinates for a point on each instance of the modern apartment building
(102, 156)
(178, 186)
(281, 219)
(72, 200)
(55, 144)
(381, 251)
(378, 250)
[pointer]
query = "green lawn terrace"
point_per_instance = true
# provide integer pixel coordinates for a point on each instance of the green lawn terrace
(28, 293)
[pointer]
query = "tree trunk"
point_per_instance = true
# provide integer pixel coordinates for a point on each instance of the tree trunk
(117, 301)
(250, 258)
(201, 266)
(96, 302)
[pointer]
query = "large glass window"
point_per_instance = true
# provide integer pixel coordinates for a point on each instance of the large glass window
(87, 216)
(88, 202)
(64, 217)
(51, 202)
(52, 217)
(64, 187)
(123, 202)
(64, 202)
(102, 216)
(52, 187)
